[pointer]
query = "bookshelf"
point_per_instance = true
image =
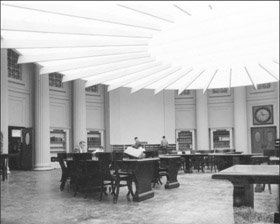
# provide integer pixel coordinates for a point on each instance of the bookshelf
(94, 139)
(185, 140)
(59, 140)
(221, 138)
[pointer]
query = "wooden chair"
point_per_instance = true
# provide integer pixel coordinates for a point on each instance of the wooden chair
(65, 175)
(197, 162)
(80, 174)
(111, 175)
(159, 172)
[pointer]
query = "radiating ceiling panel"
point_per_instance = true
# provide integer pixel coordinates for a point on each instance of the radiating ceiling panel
(226, 44)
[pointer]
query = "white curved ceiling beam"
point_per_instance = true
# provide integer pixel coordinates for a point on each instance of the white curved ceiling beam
(98, 42)
(149, 11)
(187, 84)
(29, 58)
(154, 79)
(212, 78)
(14, 25)
(250, 77)
(95, 70)
(137, 76)
(121, 73)
(271, 72)
(92, 15)
(173, 79)
(183, 10)
(89, 62)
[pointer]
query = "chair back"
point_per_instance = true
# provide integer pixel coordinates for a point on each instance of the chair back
(82, 156)
(60, 158)
(151, 153)
(104, 163)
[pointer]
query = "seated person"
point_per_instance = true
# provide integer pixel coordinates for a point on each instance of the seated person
(137, 143)
(80, 148)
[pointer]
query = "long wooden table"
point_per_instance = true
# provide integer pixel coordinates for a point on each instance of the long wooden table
(222, 160)
(226, 160)
(244, 176)
(142, 170)
(170, 163)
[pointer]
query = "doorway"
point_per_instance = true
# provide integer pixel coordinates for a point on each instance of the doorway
(262, 138)
(15, 146)
(20, 145)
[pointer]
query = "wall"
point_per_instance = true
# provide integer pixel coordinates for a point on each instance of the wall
(263, 97)
(95, 109)
(20, 99)
(141, 114)
(220, 110)
(185, 111)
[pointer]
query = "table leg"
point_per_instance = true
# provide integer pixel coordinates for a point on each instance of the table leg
(188, 167)
(243, 195)
(172, 171)
(143, 179)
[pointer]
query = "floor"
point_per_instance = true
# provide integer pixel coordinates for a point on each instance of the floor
(34, 197)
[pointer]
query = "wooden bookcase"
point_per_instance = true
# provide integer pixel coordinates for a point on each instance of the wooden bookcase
(185, 140)
(59, 140)
(94, 139)
(221, 138)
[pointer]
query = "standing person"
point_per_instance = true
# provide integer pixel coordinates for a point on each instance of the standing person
(80, 148)
(164, 145)
(137, 143)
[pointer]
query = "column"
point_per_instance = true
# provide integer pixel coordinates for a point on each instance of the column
(202, 126)
(42, 122)
(4, 99)
(79, 112)
(107, 141)
(240, 120)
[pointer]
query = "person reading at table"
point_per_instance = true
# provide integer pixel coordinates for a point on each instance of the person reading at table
(80, 148)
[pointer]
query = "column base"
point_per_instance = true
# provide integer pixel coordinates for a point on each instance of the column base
(42, 167)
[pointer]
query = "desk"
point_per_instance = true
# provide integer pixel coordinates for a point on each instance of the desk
(226, 160)
(244, 176)
(143, 170)
(187, 160)
(171, 164)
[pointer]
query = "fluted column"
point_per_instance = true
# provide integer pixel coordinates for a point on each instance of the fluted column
(202, 126)
(79, 112)
(4, 99)
(240, 120)
(42, 122)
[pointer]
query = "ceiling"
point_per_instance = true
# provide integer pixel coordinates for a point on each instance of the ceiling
(157, 45)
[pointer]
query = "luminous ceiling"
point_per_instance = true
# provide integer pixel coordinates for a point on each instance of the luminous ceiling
(148, 45)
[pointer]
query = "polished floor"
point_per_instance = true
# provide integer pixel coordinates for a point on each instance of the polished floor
(33, 197)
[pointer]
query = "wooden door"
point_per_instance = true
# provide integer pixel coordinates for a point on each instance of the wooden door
(262, 138)
(27, 149)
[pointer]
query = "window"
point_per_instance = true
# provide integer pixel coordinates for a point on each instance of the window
(55, 80)
(186, 94)
(14, 69)
(266, 87)
(219, 92)
(92, 89)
